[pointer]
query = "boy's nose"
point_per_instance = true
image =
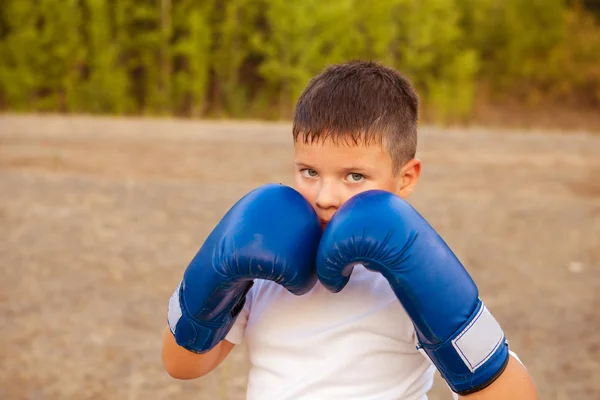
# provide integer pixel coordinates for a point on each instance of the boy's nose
(328, 197)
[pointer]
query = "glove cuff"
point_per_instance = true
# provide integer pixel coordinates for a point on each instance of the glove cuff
(191, 334)
(475, 356)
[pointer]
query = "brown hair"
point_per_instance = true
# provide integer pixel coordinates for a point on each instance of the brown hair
(360, 102)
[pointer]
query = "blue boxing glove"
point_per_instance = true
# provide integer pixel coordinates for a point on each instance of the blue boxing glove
(272, 233)
(384, 233)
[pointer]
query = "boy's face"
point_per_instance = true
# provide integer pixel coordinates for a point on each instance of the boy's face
(327, 174)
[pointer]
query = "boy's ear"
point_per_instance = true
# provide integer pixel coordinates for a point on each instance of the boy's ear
(408, 177)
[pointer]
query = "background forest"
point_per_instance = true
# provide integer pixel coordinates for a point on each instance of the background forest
(251, 58)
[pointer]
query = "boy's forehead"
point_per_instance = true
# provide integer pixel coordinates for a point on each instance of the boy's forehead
(333, 153)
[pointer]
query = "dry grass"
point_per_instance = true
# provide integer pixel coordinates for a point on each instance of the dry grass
(100, 216)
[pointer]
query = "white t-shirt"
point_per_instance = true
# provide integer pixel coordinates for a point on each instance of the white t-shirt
(355, 344)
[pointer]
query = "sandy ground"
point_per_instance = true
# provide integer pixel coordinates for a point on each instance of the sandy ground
(100, 216)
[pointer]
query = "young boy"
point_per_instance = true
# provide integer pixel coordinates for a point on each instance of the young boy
(355, 132)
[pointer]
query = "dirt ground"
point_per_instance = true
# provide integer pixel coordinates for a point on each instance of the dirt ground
(100, 216)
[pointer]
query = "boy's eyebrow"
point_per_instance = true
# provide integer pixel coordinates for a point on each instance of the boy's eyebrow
(343, 169)
(356, 169)
(302, 165)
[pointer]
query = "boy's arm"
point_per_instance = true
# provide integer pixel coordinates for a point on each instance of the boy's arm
(514, 383)
(183, 364)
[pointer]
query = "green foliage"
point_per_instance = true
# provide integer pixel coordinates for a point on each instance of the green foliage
(434, 54)
(40, 54)
(104, 86)
(516, 41)
(252, 58)
(577, 61)
(233, 25)
(298, 39)
(191, 55)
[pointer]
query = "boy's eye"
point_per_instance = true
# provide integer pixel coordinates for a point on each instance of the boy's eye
(354, 177)
(309, 173)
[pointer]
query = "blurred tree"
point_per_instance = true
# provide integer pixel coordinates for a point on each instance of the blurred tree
(18, 55)
(233, 23)
(577, 59)
(592, 5)
(141, 38)
(40, 53)
(164, 82)
(377, 30)
(104, 86)
(515, 41)
(297, 40)
(434, 55)
(247, 57)
(286, 45)
(191, 54)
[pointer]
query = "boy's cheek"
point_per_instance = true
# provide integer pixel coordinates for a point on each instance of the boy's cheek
(305, 190)
(354, 190)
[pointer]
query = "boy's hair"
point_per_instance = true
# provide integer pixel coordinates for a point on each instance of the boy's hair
(360, 102)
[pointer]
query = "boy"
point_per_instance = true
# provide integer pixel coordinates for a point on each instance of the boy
(355, 133)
